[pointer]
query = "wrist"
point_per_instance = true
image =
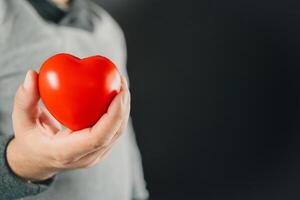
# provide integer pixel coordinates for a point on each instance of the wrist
(25, 168)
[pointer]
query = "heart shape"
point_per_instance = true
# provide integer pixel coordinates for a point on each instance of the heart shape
(77, 92)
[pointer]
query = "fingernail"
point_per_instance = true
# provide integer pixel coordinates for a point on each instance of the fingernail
(27, 81)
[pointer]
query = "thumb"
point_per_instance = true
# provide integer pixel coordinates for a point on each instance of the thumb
(26, 102)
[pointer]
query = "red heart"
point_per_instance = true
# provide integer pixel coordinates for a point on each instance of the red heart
(77, 92)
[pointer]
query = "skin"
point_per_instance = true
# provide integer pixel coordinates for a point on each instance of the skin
(63, 3)
(42, 149)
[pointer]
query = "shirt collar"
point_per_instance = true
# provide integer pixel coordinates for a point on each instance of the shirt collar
(77, 15)
(48, 10)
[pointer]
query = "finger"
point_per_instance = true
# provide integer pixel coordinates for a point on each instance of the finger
(125, 121)
(88, 140)
(113, 140)
(84, 161)
(107, 149)
(26, 102)
(112, 120)
(104, 153)
(93, 158)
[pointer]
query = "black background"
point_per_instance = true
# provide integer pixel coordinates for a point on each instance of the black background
(215, 93)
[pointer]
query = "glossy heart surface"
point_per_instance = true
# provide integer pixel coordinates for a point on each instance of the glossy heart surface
(77, 92)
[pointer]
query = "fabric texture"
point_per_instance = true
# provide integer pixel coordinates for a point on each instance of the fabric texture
(26, 41)
(12, 187)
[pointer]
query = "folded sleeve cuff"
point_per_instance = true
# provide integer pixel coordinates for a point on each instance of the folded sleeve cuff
(11, 186)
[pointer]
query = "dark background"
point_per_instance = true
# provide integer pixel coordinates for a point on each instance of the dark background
(215, 88)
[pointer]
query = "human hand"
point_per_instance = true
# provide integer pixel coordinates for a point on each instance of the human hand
(42, 149)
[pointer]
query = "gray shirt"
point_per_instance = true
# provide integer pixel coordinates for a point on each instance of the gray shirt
(26, 40)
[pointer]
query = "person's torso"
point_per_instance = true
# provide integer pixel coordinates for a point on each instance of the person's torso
(26, 41)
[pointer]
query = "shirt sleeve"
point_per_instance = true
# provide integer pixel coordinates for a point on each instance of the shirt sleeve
(139, 184)
(11, 186)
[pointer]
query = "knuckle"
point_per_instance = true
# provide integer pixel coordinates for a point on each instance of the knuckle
(105, 144)
(119, 116)
(99, 144)
(95, 145)
(120, 132)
